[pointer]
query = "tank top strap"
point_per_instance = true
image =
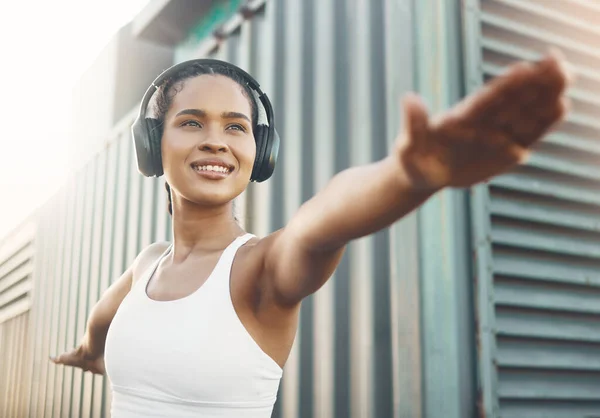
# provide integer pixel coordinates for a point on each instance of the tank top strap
(230, 252)
(222, 270)
(142, 282)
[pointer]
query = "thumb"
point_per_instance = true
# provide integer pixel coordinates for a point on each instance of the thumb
(416, 117)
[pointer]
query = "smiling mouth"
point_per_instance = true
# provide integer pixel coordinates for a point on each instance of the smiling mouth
(212, 170)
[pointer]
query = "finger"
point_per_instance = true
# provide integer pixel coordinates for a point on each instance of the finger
(564, 108)
(553, 75)
(101, 367)
(557, 59)
(67, 359)
(58, 359)
(416, 117)
(525, 112)
(556, 117)
(524, 85)
(98, 370)
(544, 124)
(518, 154)
(513, 154)
(498, 101)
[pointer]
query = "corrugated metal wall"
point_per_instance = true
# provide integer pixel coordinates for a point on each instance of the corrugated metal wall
(389, 335)
(16, 268)
(447, 345)
(14, 363)
(537, 230)
(88, 234)
(322, 64)
(333, 110)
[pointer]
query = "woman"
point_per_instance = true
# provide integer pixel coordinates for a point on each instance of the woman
(203, 327)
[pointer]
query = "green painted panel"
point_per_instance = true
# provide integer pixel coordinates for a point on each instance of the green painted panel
(219, 12)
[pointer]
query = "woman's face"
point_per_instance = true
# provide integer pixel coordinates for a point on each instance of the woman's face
(208, 146)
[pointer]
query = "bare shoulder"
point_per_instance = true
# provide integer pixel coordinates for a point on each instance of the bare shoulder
(148, 256)
(255, 251)
(248, 270)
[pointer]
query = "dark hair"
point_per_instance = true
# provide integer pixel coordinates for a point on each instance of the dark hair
(170, 205)
(174, 84)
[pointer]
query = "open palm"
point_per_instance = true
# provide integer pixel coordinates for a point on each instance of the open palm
(488, 132)
(79, 358)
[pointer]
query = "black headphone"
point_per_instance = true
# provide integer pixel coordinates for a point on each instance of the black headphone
(147, 132)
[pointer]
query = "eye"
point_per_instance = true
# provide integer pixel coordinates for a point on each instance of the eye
(193, 123)
(237, 127)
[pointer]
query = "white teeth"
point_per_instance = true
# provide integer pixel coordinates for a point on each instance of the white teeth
(215, 168)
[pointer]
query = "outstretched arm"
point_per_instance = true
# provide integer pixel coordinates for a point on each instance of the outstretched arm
(89, 355)
(484, 135)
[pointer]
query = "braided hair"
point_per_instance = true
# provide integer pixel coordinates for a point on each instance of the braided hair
(170, 205)
(167, 91)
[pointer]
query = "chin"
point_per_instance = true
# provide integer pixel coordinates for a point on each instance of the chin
(214, 199)
(214, 195)
(209, 193)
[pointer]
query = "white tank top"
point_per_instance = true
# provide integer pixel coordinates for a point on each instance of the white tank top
(190, 357)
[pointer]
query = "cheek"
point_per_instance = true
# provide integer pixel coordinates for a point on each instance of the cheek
(173, 156)
(247, 154)
(172, 149)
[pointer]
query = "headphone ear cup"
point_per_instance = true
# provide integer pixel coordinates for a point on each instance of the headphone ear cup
(141, 144)
(261, 135)
(270, 152)
(154, 129)
(270, 157)
(147, 134)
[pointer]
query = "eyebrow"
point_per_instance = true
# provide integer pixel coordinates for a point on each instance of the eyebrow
(235, 115)
(201, 113)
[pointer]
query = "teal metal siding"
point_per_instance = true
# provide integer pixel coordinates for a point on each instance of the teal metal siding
(357, 353)
(326, 107)
(445, 288)
(536, 229)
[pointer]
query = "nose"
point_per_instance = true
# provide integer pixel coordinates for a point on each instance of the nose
(213, 144)
(212, 147)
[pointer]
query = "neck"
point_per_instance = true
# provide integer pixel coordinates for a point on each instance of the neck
(203, 229)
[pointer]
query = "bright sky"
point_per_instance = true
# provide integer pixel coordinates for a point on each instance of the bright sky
(46, 45)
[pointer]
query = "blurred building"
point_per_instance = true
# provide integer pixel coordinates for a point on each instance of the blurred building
(110, 88)
(483, 303)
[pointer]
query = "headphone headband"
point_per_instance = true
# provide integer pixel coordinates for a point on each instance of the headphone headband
(162, 77)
